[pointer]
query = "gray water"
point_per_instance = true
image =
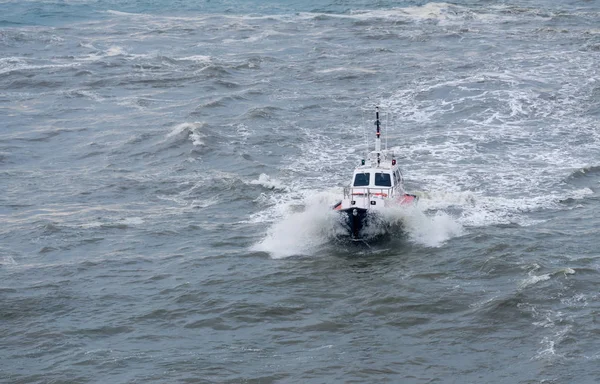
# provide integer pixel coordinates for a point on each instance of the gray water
(166, 177)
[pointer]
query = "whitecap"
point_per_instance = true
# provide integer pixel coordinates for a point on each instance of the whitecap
(533, 279)
(132, 221)
(347, 69)
(191, 129)
(205, 203)
(7, 260)
(567, 271)
(115, 51)
(120, 13)
(197, 58)
(268, 182)
(13, 64)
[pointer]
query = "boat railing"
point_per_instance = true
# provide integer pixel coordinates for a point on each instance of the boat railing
(367, 192)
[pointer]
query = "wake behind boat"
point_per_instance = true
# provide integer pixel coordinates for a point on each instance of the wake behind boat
(377, 185)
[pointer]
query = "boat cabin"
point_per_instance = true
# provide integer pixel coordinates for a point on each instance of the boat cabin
(376, 178)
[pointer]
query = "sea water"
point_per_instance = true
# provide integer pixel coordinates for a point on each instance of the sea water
(167, 171)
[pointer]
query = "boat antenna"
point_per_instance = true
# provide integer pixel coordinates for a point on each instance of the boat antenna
(378, 138)
(365, 135)
(378, 133)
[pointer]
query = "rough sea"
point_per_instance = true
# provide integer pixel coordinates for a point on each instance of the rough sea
(167, 171)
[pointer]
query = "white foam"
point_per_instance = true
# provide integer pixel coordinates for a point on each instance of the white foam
(11, 64)
(115, 51)
(567, 271)
(191, 129)
(91, 224)
(475, 210)
(548, 350)
(347, 69)
(429, 11)
(437, 12)
(431, 230)
(87, 45)
(269, 182)
(132, 221)
(433, 11)
(533, 279)
(119, 13)
(255, 37)
(579, 300)
(299, 233)
(186, 197)
(7, 260)
(580, 194)
(197, 58)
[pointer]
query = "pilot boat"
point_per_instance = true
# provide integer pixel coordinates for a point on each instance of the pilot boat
(376, 185)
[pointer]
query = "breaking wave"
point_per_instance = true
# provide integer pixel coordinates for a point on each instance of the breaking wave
(192, 130)
(268, 182)
(585, 172)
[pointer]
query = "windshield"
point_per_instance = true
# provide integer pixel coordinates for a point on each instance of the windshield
(361, 179)
(383, 180)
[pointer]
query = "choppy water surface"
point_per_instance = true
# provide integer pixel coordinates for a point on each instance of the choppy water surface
(166, 174)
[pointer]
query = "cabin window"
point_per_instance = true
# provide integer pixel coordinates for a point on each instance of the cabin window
(361, 179)
(383, 180)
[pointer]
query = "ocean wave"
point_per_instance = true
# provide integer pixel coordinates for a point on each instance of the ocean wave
(192, 131)
(268, 182)
(266, 112)
(585, 172)
(533, 279)
(20, 65)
